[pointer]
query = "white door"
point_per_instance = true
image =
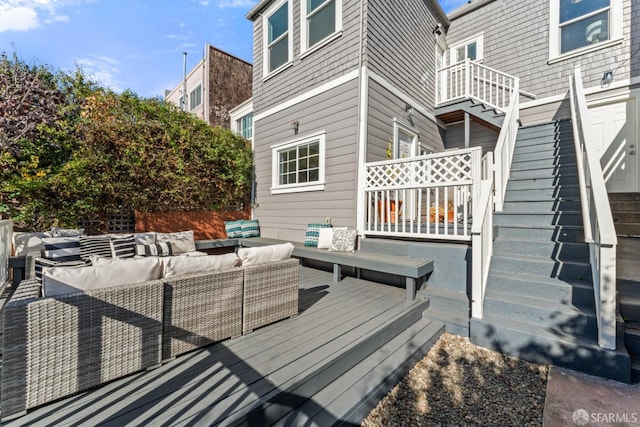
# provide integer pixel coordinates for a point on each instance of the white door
(615, 128)
(441, 76)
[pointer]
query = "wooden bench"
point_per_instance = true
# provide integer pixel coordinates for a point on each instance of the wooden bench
(410, 268)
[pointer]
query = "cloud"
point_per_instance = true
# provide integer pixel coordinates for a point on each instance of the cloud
(102, 69)
(245, 4)
(17, 18)
(24, 15)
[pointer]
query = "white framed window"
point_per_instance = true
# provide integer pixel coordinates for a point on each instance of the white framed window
(322, 22)
(405, 140)
(472, 48)
(195, 98)
(299, 165)
(579, 26)
(277, 37)
(244, 126)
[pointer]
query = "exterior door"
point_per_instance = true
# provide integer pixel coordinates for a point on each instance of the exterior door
(441, 62)
(615, 127)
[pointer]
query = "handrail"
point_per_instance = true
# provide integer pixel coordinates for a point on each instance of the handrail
(598, 223)
(505, 147)
(481, 245)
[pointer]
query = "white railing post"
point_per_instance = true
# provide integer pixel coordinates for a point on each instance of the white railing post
(481, 247)
(467, 78)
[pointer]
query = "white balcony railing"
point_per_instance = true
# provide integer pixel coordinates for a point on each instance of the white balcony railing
(468, 79)
(426, 197)
(599, 230)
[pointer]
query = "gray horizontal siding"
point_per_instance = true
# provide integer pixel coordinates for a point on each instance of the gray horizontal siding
(328, 63)
(516, 41)
(480, 136)
(383, 107)
(285, 216)
(401, 46)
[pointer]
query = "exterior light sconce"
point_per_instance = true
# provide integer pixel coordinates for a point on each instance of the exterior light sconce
(409, 110)
(607, 78)
(437, 30)
(295, 125)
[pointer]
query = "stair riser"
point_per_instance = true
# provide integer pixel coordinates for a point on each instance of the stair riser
(536, 145)
(627, 217)
(503, 218)
(632, 341)
(559, 292)
(550, 172)
(630, 308)
(537, 349)
(560, 155)
(625, 206)
(536, 183)
(560, 270)
(547, 162)
(557, 251)
(577, 324)
(542, 194)
(557, 234)
(528, 132)
(546, 206)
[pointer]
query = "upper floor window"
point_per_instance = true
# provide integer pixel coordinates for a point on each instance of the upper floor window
(472, 48)
(195, 98)
(244, 126)
(581, 24)
(322, 19)
(277, 37)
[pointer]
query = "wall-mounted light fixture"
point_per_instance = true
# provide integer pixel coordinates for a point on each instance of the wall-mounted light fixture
(295, 125)
(607, 78)
(438, 29)
(409, 110)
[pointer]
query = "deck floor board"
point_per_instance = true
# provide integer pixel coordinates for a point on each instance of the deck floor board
(224, 381)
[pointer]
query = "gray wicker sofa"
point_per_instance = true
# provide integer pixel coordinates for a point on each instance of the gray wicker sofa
(58, 346)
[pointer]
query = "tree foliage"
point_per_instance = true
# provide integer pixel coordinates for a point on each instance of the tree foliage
(70, 149)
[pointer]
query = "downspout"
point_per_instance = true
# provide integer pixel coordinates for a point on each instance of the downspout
(184, 81)
(361, 129)
(205, 86)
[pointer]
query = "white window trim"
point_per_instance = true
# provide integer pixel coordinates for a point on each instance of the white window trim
(265, 39)
(319, 185)
(304, 29)
(478, 38)
(615, 37)
(399, 125)
(198, 88)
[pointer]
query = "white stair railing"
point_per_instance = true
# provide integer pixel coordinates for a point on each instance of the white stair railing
(468, 79)
(599, 230)
(505, 146)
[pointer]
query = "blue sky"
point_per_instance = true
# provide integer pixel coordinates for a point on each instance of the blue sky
(128, 44)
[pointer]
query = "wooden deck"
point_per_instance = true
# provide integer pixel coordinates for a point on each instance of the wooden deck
(351, 342)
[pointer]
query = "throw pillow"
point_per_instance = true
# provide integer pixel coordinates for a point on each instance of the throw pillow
(250, 228)
(95, 245)
(145, 238)
(181, 241)
(156, 249)
(62, 248)
(313, 233)
(41, 264)
(343, 240)
(177, 266)
(23, 243)
(123, 246)
(265, 254)
(325, 237)
(233, 229)
(66, 232)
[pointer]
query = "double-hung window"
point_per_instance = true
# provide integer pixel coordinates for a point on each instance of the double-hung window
(195, 98)
(322, 19)
(578, 25)
(472, 48)
(299, 165)
(244, 126)
(278, 46)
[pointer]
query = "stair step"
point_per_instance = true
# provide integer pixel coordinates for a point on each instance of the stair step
(352, 396)
(547, 162)
(542, 206)
(562, 138)
(629, 306)
(562, 154)
(456, 324)
(545, 288)
(534, 218)
(538, 266)
(578, 321)
(545, 144)
(525, 183)
(632, 340)
(623, 229)
(541, 344)
(566, 233)
(567, 251)
(561, 192)
(442, 299)
(550, 172)
(553, 127)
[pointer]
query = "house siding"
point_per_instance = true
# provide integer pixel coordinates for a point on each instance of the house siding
(286, 216)
(511, 48)
(480, 136)
(329, 62)
(383, 107)
(401, 46)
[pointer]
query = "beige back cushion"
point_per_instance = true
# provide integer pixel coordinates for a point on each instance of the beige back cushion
(181, 241)
(182, 265)
(265, 254)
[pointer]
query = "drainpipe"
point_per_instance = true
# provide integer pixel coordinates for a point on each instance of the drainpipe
(184, 81)
(360, 129)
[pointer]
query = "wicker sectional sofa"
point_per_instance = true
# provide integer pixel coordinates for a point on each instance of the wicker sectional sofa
(57, 346)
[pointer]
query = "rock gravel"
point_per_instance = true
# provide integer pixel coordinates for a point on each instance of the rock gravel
(460, 384)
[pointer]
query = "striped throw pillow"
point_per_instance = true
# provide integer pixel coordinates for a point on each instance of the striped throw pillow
(155, 249)
(123, 246)
(95, 245)
(62, 248)
(233, 229)
(313, 234)
(42, 263)
(250, 228)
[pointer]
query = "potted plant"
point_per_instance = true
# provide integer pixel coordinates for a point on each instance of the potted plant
(387, 211)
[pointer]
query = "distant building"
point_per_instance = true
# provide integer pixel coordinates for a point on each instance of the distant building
(218, 83)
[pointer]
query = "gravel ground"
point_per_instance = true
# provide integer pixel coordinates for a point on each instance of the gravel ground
(459, 384)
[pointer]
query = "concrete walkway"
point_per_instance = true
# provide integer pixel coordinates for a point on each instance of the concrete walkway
(576, 399)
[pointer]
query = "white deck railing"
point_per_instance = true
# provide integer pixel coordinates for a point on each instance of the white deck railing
(6, 228)
(599, 230)
(426, 197)
(468, 79)
(504, 147)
